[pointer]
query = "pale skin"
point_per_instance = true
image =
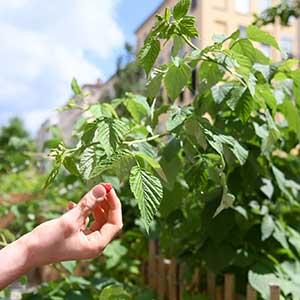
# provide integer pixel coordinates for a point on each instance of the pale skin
(65, 238)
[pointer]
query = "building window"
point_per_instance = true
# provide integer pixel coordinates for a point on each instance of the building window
(194, 81)
(286, 43)
(263, 5)
(242, 6)
(266, 50)
(194, 4)
(181, 97)
(243, 33)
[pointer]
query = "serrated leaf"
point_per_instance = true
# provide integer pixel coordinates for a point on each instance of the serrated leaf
(70, 165)
(187, 26)
(221, 91)
(292, 115)
(149, 53)
(256, 34)
(226, 202)
(181, 9)
(176, 79)
(154, 84)
(267, 227)
(267, 188)
(69, 266)
(51, 176)
(148, 192)
(178, 43)
(177, 117)
(111, 133)
(217, 141)
(75, 87)
(137, 106)
(244, 106)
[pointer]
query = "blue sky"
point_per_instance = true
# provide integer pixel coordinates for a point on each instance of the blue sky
(43, 44)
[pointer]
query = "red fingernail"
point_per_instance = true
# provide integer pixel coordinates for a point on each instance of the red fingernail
(107, 187)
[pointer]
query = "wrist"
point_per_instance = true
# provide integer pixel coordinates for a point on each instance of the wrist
(26, 246)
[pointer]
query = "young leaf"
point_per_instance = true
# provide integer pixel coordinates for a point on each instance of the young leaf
(267, 227)
(258, 35)
(149, 53)
(181, 9)
(176, 79)
(148, 192)
(137, 106)
(75, 87)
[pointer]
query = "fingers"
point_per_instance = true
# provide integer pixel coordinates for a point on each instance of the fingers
(98, 239)
(115, 209)
(89, 202)
(71, 205)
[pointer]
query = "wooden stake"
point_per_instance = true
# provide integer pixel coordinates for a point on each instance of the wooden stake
(152, 264)
(219, 293)
(161, 284)
(275, 292)
(251, 293)
(229, 292)
(172, 280)
(211, 285)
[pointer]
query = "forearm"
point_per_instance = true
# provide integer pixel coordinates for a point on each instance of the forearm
(15, 260)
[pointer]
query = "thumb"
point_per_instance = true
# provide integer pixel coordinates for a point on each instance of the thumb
(90, 201)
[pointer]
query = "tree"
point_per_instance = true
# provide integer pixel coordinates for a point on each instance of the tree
(15, 141)
(284, 11)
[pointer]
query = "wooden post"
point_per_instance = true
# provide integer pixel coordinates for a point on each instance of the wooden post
(161, 284)
(219, 293)
(152, 264)
(211, 285)
(181, 281)
(196, 280)
(229, 292)
(172, 280)
(275, 292)
(251, 293)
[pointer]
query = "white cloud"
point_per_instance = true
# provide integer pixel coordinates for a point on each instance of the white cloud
(44, 44)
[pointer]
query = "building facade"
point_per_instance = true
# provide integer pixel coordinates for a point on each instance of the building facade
(224, 17)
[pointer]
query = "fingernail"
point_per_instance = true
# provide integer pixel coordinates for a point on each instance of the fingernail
(99, 192)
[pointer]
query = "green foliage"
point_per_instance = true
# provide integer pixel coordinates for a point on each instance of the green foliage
(222, 174)
(15, 147)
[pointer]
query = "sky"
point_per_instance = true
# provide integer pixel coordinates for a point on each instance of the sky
(44, 44)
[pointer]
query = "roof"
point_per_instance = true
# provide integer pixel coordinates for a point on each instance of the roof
(151, 15)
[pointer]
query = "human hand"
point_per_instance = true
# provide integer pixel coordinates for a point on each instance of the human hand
(68, 238)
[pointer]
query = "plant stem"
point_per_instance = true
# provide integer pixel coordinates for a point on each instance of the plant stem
(148, 139)
(190, 43)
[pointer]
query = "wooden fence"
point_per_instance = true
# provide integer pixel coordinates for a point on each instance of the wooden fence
(165, 277)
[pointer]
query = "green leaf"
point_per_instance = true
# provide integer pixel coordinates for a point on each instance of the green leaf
(245, 106)
(176, 79)
(221, 91)
(154, 84)
(293, 116)
(289, 188)
(217, 141)
(177, 45)
(256, 34)
(114, 292)
(226, 202)
(75, 87)
(177, 117)
(264, 95)
(181, 9)
(267, 227)
(69, 266)
(137, 106)
(149, 53)
(70, 165)
(111, 133)
(148, 192)
(114, 252)
(52, 176)
(187, 26)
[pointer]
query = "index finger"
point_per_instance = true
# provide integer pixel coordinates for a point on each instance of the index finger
(115, 208)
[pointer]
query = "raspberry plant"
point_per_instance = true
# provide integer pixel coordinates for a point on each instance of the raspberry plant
(227, 163)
